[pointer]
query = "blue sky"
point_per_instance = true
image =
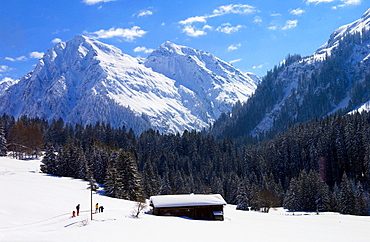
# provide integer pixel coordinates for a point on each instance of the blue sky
(253, 35)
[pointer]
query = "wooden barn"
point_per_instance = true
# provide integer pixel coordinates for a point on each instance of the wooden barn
(196, 206)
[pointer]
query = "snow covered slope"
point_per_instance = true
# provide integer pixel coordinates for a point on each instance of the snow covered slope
(217, 84)
(360, 26)
(46, 216)
(85, 81)
(335, 78)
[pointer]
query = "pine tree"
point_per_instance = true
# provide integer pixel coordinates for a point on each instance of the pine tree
(131, 177)
(113, 182)
(254, 196)
(334, 201)
(97, 159)
(3, 142)
(49, 163)
(123, 178)
(242, 198)
(347, 199)
(150, 180)
(80, 164)
(362, 207)
(62, 162)
(307, 193)
(291, 200)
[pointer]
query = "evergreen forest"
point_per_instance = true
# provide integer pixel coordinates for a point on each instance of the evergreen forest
(323, 165)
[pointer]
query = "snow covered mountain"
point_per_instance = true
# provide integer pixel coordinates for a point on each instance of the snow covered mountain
(217, 85)
(336, 78)
(85, 81)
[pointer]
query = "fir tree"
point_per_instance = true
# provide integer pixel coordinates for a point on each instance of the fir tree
(291, 200)
(362, 207)
(334, 201)
(347, 199)
(3, 143)
(49, 163)
(132, 183)
(123, 178)
(113, 182)
(242, 198)
(150, 180)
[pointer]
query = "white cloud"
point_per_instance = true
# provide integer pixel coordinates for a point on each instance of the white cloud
(233, 8)
(128, 35)
(4, 68)
(92, 2)
(145, 13)
(205, 27)
(297, 11)
(276, 15)
(319, 1)
(347, 3)
(59, 31)
(33, 54)
(56, 41)
(234, 47)
(228, 29)
(21, 58)
(36, 55)
(344, 2)
(290, 24)
(352, 2)
(274, 27)
(191, 20)
(233, 61)
(192, 31)
(257, 19)
(258, 67)
(143, 49)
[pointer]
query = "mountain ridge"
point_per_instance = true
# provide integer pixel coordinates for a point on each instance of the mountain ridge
(335, 78)
(86, 81)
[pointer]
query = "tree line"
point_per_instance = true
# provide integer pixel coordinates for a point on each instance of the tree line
(319, 166)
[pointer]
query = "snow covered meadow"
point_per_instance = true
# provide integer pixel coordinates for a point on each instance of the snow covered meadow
(38, 207)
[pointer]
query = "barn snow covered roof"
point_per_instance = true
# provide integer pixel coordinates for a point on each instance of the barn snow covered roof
(163, 201)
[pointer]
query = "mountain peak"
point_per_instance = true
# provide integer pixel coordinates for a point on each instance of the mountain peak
(357, 26)
(86, 81)
(170, 48)
(78, 40)
(168, 44)
(366, 14)
(217, 83)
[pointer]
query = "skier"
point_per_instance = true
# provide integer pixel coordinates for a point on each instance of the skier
(96, 207)
(73, 214)
(101, 208)
(78, 209)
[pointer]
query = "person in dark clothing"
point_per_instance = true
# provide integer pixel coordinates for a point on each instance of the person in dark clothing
(78, 209)
(101, 208)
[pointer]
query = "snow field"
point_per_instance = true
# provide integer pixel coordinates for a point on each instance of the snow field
(38, 207)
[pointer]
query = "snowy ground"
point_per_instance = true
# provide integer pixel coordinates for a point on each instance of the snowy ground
(38, 207)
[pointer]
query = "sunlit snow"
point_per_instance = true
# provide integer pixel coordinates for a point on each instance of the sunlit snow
(38, 207)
